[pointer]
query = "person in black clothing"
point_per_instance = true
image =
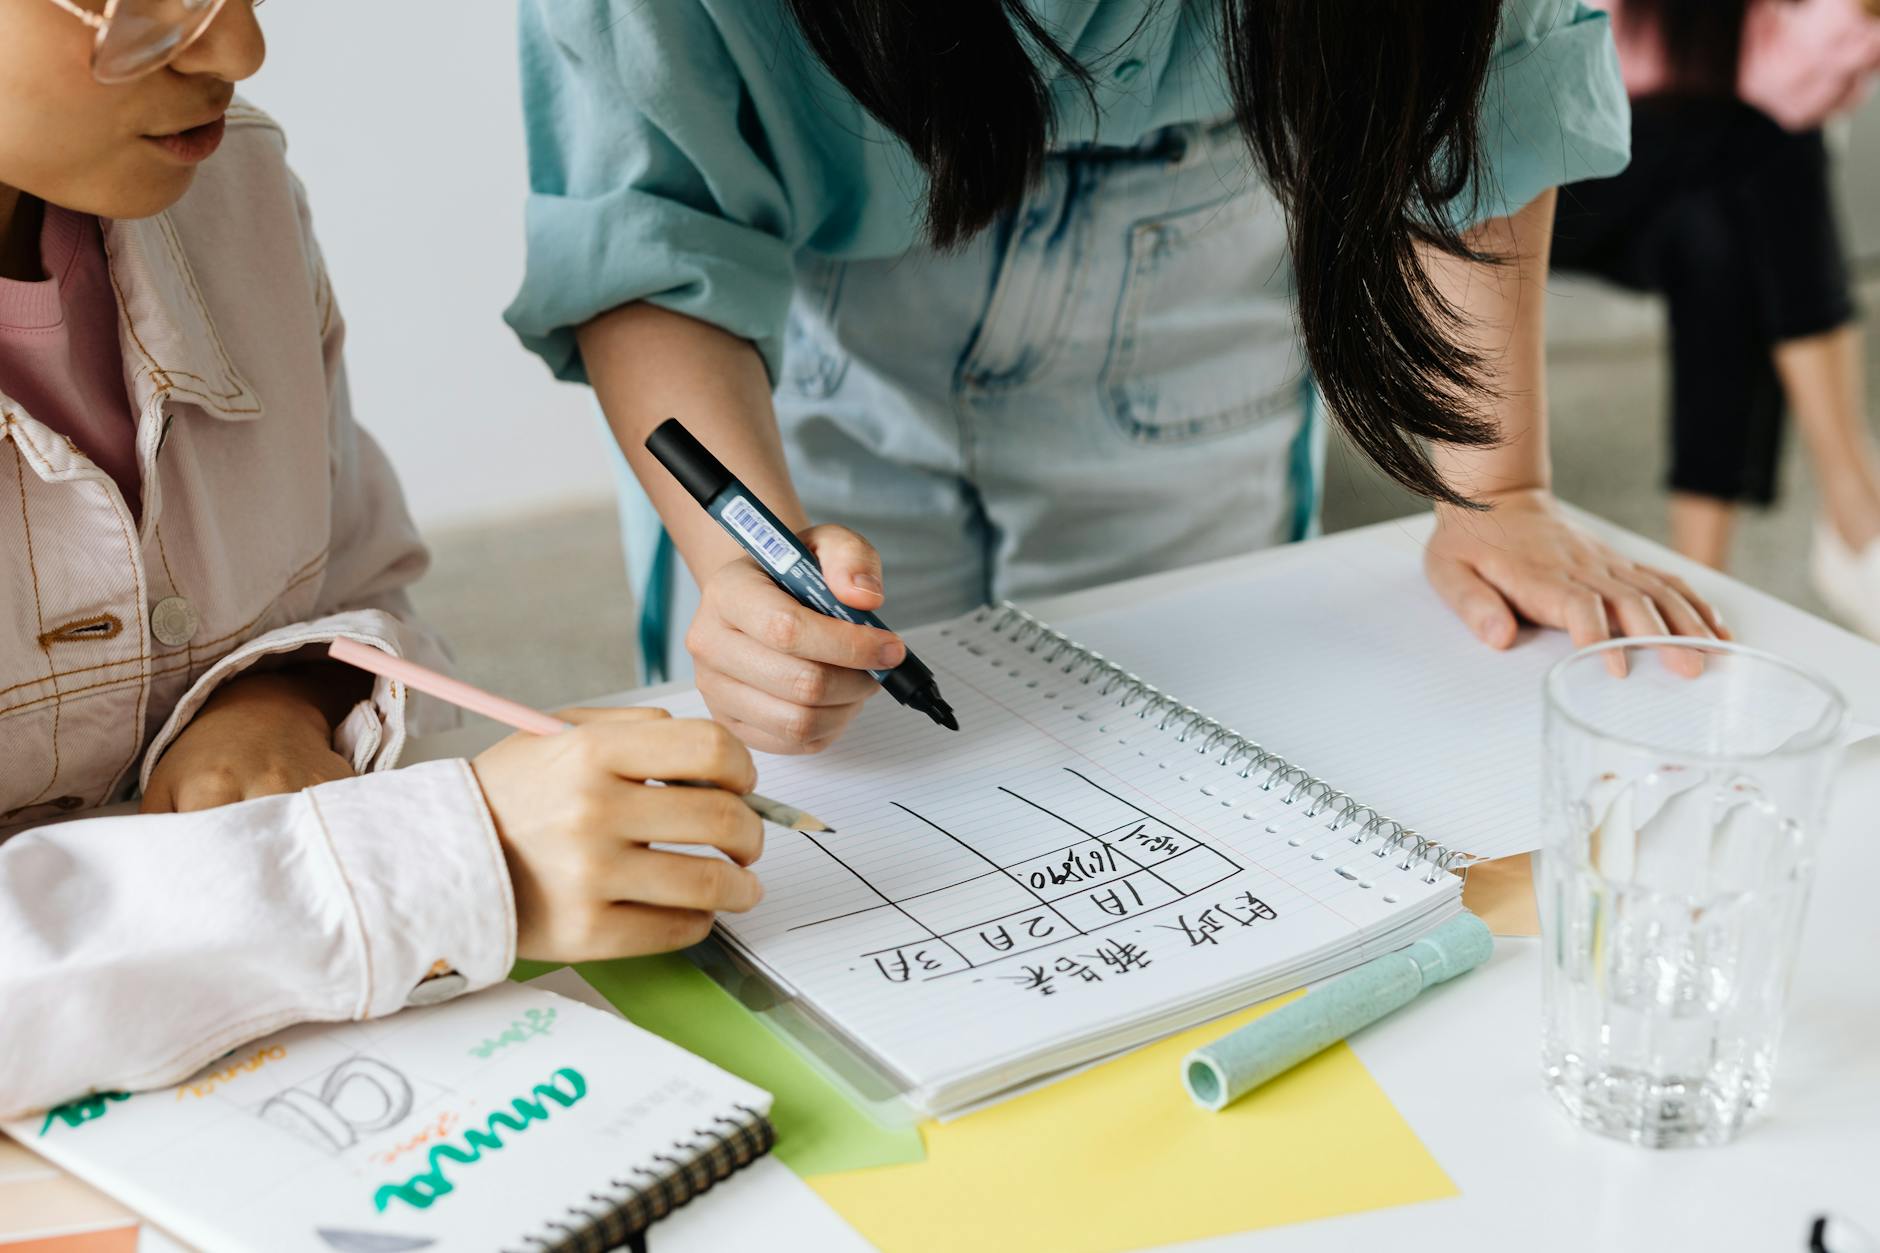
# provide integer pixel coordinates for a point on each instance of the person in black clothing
(1730, 217)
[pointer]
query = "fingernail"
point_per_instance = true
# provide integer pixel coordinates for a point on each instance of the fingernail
(756, 894)
(866, 582)
(892, 655)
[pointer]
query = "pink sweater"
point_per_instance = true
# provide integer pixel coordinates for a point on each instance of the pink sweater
(1803, 62)
(59, 349)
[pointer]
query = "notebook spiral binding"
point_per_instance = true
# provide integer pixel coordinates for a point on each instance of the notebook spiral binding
(670, 1180)
(1073, 660)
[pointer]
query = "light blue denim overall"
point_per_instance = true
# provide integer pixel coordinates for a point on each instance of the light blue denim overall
(1108, 383)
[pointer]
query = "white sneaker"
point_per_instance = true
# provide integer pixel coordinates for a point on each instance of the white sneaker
(1848, 581)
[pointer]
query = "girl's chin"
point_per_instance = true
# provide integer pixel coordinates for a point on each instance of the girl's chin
(159, 184)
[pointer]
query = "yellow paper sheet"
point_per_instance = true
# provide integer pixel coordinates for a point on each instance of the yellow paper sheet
(1118, 1157)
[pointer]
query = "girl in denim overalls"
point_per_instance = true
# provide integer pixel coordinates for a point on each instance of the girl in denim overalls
(1021, 296)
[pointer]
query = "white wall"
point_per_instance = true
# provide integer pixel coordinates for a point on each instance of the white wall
(1860, 172)
(403, 119)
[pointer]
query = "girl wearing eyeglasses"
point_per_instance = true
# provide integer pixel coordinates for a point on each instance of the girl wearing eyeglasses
(188, 514)
(1029, 295)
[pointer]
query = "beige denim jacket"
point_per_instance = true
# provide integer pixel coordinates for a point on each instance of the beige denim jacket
(133, 950)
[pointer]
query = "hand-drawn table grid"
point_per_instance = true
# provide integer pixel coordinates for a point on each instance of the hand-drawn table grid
(1099, 880)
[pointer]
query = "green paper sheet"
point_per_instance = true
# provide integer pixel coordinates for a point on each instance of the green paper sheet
(818, 1130)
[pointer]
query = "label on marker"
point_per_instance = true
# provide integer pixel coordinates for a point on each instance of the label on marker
(772, 547)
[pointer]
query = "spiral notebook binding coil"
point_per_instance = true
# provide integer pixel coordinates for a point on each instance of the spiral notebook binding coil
(687, 1169)
(1385, 836)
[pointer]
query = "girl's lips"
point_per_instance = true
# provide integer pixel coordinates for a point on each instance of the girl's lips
(198, 143)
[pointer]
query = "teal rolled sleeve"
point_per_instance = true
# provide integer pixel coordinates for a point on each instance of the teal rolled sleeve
(644, 184)
(589, 255)
(1554, 110)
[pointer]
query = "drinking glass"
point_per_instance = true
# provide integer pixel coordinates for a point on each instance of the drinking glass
(1682, 807)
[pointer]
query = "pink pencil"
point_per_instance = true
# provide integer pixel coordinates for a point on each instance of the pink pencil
(522, 718)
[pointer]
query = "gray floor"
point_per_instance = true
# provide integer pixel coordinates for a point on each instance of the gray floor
(1607, 374)
(537, 608)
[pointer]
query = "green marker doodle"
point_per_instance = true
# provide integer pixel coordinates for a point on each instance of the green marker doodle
(421, 1190)
(535, 1022)
(82, 1110)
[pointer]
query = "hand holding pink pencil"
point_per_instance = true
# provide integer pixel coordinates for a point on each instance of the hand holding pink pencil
(522, 718)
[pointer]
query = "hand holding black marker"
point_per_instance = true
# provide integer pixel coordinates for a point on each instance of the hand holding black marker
(778, 553)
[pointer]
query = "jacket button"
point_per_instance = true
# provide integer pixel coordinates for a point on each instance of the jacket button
(174, 621)
(437, 991)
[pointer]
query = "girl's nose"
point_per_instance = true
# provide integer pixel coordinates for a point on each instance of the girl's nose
(232, 48)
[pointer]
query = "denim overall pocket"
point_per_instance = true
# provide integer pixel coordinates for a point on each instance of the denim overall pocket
(1204, 342)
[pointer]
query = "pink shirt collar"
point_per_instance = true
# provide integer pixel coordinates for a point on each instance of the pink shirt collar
(29, 306)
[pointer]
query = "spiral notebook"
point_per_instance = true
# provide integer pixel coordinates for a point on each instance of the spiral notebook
(514, 1119)
(1094, 861)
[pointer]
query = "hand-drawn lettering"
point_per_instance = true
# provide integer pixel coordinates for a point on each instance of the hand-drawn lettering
(320, 1119)
(1119, 900)
(1243, 911)
(966, 902)
(1142, 841)
(1079, 866)
(1258, 907)
(82, 1110)
(1121, 956)
(436, 1129)
(901, 964)
(534, 1022)
(1076, 969)
(214, 1078)
(1198, 932)
(1032, 979)
(421, 1191)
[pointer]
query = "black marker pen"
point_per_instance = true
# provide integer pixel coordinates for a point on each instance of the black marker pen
(776, 549)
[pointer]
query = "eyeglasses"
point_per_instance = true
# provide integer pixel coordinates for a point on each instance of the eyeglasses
(139, 37)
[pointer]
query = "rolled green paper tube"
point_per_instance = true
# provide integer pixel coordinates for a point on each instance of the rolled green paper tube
(1220, 1073)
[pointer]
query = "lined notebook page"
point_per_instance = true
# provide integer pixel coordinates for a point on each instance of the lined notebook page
(1370, 683)
(1047, 876)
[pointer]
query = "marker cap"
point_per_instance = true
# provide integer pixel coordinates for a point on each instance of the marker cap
(1456, 947)
(700, 473)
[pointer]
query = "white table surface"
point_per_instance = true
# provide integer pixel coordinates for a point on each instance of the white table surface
(1463, 1068)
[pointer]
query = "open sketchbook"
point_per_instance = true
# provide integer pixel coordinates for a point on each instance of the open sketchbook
(513, 1119)
(1249, 787)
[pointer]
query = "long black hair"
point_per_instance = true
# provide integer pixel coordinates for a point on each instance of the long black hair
(1362, 118)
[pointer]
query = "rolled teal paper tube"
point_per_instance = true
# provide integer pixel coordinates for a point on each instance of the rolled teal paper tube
(1220, 1073)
